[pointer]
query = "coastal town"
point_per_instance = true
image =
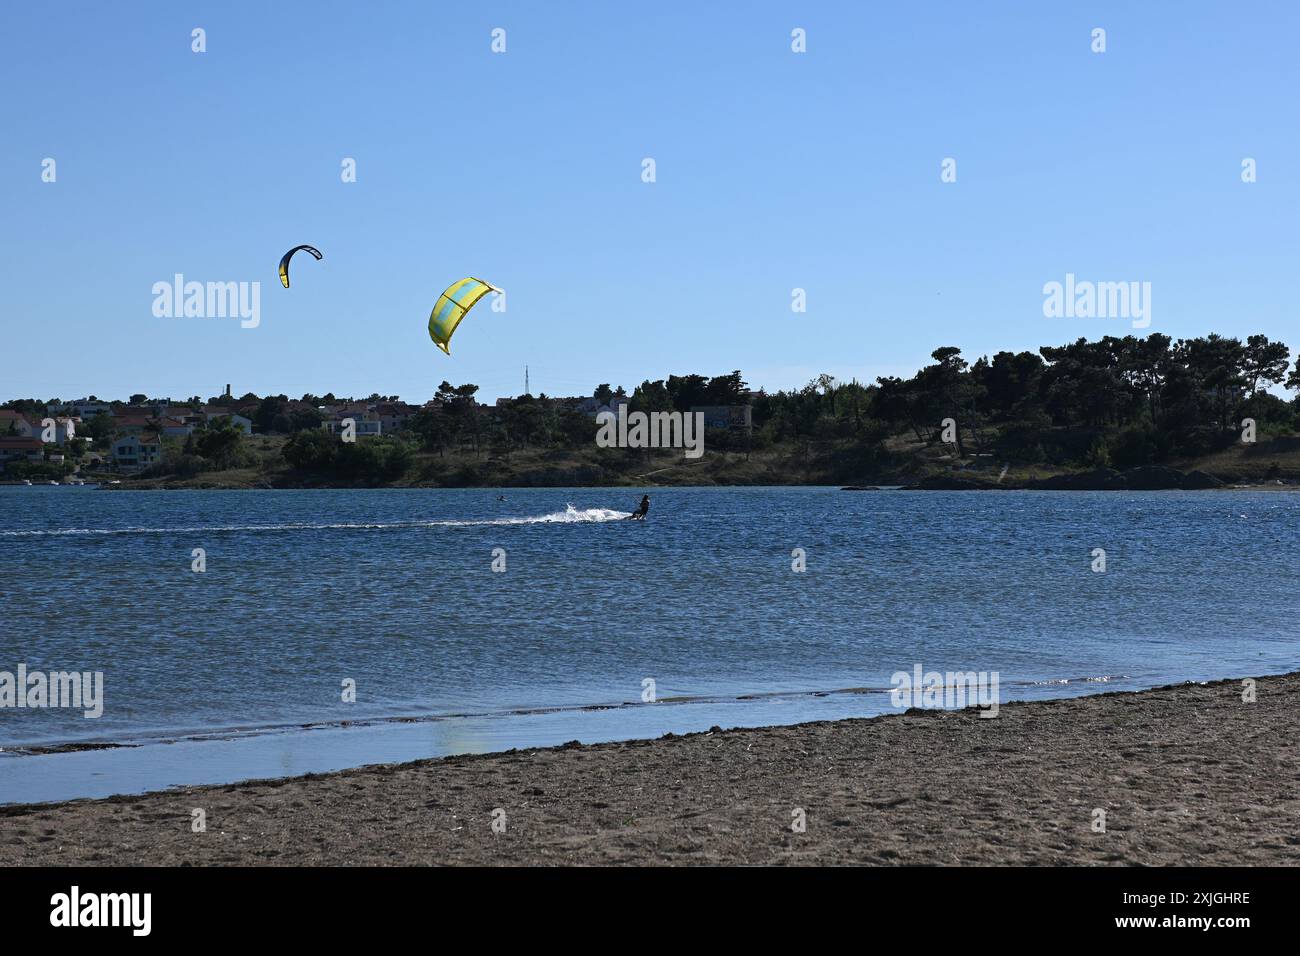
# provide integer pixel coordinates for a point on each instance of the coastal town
(89, 439)
(1115, 414)
(97, 435)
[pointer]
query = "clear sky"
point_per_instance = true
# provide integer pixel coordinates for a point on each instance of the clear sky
(775, 171)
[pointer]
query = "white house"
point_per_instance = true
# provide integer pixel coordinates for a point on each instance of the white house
(62, 430)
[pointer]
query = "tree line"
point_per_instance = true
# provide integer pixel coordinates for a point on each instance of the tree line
(1116, 401)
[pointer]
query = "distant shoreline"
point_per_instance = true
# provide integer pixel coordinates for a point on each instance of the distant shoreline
(1142, 478)
(935, 483)
(1186, 774)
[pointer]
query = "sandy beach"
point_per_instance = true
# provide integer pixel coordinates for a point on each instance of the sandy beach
(1187, 774)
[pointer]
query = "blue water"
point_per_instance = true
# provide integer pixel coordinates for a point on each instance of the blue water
(394, 589)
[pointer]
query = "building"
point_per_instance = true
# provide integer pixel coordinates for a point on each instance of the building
(133, 422)
(61, 430)
(212, 413)
(366, 426)
(164, 407)
(175, 427)
(135, 452)
(594, 407)
(13, 448)
(83, 408)
(392, 416)
(22, 428)
(65, 429)
(179, 412)
(726, 416)
(368, 423)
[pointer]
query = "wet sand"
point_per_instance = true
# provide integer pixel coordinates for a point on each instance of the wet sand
(1188, 774)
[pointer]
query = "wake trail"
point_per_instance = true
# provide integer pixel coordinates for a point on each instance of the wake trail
(570, 515)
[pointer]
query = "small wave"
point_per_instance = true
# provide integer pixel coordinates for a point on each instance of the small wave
(1099, 679)
(570, 515)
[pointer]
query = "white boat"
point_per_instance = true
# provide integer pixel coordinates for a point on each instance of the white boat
(27, 482)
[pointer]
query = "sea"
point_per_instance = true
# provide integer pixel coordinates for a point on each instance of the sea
(237, 635)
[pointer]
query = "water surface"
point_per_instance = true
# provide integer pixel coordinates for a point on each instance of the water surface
(395, 591)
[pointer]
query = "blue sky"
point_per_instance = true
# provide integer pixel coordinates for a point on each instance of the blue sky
(775, 170)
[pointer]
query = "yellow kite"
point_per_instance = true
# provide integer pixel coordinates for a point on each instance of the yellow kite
(452, 306)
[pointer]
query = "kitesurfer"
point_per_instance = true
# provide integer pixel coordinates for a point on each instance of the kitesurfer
(640, 513)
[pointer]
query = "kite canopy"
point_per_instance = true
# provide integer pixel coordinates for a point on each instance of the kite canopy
(284, 263)
(452, 306)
